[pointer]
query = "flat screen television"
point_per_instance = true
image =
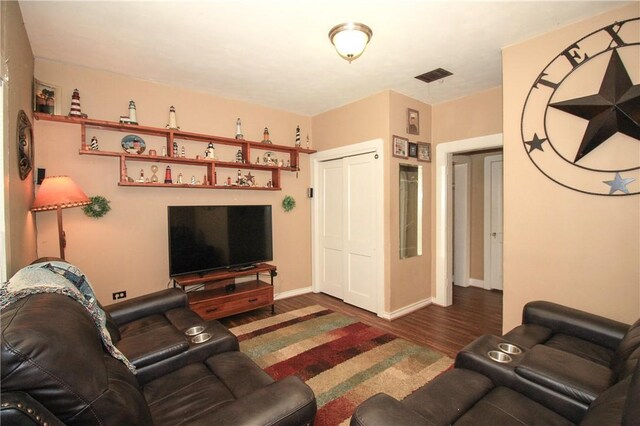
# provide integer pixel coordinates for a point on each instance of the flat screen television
(206, 238)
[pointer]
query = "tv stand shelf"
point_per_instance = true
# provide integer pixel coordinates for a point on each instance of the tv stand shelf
(209, 297)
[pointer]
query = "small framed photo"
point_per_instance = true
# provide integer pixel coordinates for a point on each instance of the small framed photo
(424, 151)
(400, 147)
(46, 98)
(413, 122)
(413, 150)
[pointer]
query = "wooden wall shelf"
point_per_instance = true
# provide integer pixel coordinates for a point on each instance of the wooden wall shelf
(172, 135)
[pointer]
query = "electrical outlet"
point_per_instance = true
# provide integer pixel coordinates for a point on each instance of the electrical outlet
(119, 295)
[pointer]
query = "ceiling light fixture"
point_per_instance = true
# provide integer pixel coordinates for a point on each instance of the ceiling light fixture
(350, 39)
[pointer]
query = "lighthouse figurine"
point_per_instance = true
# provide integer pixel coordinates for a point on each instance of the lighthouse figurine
(132, 113)
(172, 119)
(239, 134)
(297, 136)
(75, 110)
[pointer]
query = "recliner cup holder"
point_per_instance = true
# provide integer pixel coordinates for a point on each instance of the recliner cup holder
(201, 338)
(192, 331)
(509, 348)
(499, 356)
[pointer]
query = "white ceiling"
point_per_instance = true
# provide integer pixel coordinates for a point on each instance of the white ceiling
(277, 53)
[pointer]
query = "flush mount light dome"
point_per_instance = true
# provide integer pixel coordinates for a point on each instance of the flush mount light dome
(350, 39)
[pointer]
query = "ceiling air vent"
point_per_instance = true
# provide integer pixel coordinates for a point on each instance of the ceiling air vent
(434, 75)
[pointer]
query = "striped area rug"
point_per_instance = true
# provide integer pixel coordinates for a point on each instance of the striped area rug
(343, 360)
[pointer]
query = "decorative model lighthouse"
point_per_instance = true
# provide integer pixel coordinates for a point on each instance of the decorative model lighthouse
(172, 119)
(239, 134)
(75, 110)
(297, 136)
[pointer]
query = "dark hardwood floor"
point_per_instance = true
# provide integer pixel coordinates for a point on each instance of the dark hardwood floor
(474, 312)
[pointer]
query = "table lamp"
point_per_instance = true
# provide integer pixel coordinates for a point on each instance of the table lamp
(57, 193)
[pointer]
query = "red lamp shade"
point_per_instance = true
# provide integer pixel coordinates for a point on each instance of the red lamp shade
(59, 191)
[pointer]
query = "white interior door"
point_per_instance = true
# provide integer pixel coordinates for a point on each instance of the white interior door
(359, 216)
(331, 230)
(494, 238)
(461, 232)
(346, 219)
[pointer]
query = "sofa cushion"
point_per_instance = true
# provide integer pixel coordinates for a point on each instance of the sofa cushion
(582, 348)
(565, 373)
(503, 406)
(185, 394)
(74, 378)
(436, 400)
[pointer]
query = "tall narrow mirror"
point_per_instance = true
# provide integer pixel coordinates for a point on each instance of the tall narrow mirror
(410, 210)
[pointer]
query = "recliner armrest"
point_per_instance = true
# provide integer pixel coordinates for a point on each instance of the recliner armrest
(19, 408)
(563, 319)
(286, 402)
(149, 304)
(383, 410)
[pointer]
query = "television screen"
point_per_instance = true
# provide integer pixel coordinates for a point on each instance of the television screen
(205, 238)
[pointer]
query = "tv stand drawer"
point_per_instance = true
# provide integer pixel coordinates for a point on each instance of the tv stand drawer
(218, 303)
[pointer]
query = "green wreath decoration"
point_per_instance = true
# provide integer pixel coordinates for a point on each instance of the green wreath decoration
(288, 203)
(99, 207)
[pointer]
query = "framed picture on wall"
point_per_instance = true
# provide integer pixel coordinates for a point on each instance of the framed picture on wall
(413, 150)
(413, 122)
(424, 151)
(400, 147)
(46, 98)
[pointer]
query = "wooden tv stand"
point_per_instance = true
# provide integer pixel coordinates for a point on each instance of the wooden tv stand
(210, 297)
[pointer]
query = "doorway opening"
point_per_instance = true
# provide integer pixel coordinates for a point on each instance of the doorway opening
(444, 207)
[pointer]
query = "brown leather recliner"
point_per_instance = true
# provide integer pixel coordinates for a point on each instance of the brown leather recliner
(54, 368)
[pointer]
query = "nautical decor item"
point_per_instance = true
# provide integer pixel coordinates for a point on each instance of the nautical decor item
(131, 118)
(141, 178)
(167, 175)
(182, 152)
(99, 207)
(175, 149)
(239, 134)
(297, 136)
(210, 152)
(133, 144)
(172, 119)
(179, 181)
(154, 170)
(239, 158)
(164, 151)
(250, 179)
(75, 110)
(193, 180)
(94, 144)
(308, 143)
(265, 136)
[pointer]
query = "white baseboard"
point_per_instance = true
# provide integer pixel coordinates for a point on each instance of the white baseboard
(476, 283)
(406, 310)
(291, 293)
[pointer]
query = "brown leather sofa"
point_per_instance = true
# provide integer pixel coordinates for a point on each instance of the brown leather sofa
(55, 370)
(568, 367)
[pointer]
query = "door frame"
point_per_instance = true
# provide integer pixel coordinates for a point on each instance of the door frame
(443, 250)
(374, 145)
(488, 281)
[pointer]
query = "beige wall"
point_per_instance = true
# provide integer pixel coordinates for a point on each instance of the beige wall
(17, 71)
(410, 278)
(127, 248)
(479, 114)
(561, 245)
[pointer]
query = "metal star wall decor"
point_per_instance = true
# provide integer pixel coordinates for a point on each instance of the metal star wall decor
(612, 114)
(615, 108)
